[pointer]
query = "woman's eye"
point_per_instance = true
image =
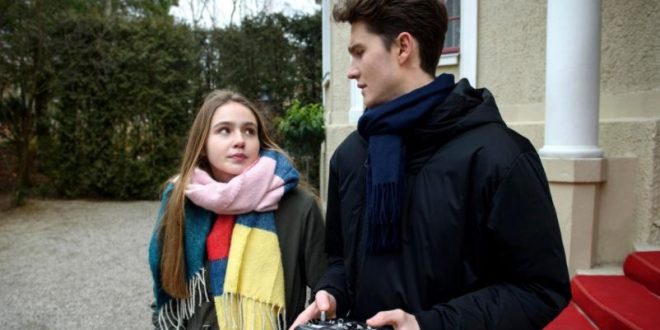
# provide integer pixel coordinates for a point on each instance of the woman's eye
(250, 131)
(223, 130)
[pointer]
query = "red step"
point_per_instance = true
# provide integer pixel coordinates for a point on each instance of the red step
(616, 302)
(644, 267)
(571, 318)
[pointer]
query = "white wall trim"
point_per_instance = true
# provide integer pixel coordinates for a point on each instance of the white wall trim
(326, 45)
(325, 84)
(357, 103)
(469, 19)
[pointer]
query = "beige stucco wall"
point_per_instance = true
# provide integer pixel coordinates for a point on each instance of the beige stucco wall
(511, 50)
(640, 140)
(630, 45)
(453, 69)
(511, 63)
(511, 57)
(337, 100)
(339, 88)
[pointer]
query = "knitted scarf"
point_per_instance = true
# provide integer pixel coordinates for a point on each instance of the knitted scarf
(245, 265)
(383, 126)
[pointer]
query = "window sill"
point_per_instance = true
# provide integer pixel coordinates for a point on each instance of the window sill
(448, 59)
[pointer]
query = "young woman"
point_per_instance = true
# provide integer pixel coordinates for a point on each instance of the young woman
(237, 242)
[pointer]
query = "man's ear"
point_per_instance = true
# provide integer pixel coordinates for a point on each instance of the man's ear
(406, 44)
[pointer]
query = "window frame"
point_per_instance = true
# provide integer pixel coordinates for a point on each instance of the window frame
(454, 49)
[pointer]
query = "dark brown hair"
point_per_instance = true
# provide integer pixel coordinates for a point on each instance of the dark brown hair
(425, 20)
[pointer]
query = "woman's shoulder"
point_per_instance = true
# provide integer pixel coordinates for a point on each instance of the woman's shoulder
(168, 186)
(298, 213)
(298, 197)
(298, 203)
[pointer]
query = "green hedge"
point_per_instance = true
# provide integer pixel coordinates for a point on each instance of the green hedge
(121, 89)
(122, 104)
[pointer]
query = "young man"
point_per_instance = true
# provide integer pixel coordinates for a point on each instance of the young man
(438, 215)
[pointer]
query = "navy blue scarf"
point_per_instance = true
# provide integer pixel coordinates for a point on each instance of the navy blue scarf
(383, 126)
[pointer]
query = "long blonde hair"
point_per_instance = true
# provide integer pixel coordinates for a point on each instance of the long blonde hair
(172, 262)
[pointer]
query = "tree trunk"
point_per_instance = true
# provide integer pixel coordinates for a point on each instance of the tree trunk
(22, 169)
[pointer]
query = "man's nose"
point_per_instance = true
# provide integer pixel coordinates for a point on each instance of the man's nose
(352, 73)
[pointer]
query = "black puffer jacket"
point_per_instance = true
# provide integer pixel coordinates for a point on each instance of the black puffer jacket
(482, 247)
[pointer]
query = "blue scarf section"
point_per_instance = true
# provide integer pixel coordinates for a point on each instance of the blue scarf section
(383, 126)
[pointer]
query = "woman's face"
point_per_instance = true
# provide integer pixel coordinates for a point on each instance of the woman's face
(233, 143)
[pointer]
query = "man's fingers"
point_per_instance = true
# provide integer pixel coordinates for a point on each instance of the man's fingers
(310, 313)
(396, 318)
(393, 317)
(322, 300)
(327, 303)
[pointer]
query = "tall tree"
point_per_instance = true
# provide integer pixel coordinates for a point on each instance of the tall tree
(269, 53)
(305, 33)
(24, 81)
(27, 28)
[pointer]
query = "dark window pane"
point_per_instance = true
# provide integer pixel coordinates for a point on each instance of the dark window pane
(453, 36)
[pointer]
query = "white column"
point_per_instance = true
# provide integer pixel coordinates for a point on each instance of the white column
(326, 45)
(572, 79)
(468, 62)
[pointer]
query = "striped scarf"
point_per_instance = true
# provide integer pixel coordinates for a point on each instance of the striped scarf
(234, 227)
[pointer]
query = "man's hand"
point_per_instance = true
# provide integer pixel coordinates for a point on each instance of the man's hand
(396, 318)
(323, 301)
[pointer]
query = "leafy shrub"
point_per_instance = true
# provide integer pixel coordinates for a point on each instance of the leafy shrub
(303, 131)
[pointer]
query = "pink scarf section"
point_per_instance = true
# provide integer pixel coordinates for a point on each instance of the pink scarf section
(256, 189)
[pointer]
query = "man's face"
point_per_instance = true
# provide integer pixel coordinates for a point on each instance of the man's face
(375, 69)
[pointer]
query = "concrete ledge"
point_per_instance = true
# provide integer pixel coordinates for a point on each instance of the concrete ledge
(576, 170)
(642, 247)
(609, 269)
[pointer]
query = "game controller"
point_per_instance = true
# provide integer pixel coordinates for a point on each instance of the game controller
(336, 324)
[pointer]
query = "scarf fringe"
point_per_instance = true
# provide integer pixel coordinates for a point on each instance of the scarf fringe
(383, 211)
(235, 307)
(176, 311)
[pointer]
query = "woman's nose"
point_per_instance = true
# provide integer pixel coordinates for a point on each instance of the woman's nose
(239, 140)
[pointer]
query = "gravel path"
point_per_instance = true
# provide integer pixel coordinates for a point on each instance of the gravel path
(76, 265)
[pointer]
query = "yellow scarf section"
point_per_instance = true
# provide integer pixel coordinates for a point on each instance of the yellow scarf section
(254, 283)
